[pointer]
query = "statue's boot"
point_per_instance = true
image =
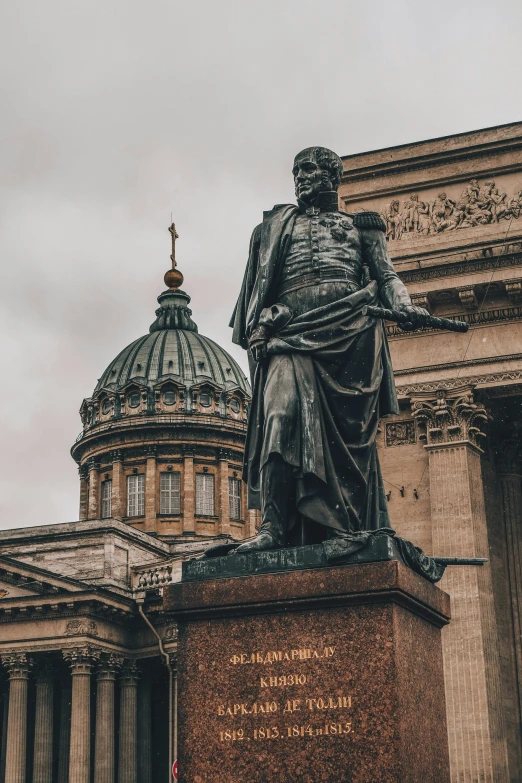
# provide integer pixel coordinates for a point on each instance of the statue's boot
(277, 484)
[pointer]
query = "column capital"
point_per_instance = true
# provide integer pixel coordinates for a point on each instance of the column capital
(117, 455)
(18, 665)
(450, 417)
(130, 674)
(108, 666)
(188, 450)
(81, 659)
(93, 464)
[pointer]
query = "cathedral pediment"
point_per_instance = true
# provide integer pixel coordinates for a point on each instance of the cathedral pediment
(19, 580)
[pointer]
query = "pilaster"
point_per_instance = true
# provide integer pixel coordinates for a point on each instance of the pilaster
(151, 490)
(189, 493)
(452, 425)
(118, 493)
(84, 492)
(224, 499)
(94, 490)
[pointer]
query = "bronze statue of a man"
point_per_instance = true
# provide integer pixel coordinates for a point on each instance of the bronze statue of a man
(321, 371)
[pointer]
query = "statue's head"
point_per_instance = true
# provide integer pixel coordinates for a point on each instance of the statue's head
(315, 170)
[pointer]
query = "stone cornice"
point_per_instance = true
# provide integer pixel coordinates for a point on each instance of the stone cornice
(73, 530)
(507, 377)
(107, 606)
(434, 153)
(185, 428)
(459, 268)
(457, 365)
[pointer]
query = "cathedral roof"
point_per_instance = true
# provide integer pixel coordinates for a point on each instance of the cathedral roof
(171, 371)
(173, 349)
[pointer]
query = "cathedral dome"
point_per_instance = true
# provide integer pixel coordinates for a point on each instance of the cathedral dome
(173, 350)
(173, 369)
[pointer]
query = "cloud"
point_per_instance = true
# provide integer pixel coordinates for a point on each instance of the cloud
(117, 114)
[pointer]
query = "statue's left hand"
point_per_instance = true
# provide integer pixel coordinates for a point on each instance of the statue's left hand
(415, 316)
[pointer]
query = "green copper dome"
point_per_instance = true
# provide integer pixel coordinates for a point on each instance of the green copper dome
(174, 350)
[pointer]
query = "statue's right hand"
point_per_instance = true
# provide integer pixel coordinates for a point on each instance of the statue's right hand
(258, 342)
(259, 350)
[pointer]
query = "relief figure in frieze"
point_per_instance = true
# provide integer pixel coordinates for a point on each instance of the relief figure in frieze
(477, 206)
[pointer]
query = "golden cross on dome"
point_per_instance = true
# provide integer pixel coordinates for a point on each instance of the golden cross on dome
(175, 235)
(173, 278)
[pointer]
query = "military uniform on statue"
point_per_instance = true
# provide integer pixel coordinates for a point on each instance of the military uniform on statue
(321, 371)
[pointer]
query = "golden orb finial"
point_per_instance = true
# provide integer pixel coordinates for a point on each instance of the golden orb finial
(173, 278)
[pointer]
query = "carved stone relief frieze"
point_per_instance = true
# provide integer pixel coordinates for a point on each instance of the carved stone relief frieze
(400, 433)
(81, 628)
(478, 205)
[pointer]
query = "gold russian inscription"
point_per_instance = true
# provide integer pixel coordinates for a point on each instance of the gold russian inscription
(288, 732)
(285, 680)
(277, 656)
(318, 703)
(256, 708)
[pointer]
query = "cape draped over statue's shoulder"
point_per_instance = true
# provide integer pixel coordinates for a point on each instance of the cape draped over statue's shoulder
(268, 247)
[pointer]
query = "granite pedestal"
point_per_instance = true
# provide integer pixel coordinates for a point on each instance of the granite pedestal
(330, 674)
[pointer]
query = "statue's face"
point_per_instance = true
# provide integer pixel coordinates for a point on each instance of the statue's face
(310, 179)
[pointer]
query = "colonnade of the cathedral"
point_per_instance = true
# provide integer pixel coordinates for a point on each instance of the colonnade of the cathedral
(102, 732)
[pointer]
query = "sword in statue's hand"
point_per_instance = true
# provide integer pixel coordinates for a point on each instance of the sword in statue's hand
(421, 321)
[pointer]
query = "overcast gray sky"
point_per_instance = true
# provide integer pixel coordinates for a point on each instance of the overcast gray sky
(117, 112)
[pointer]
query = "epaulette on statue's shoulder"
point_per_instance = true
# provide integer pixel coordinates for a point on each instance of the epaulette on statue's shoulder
(369, 220)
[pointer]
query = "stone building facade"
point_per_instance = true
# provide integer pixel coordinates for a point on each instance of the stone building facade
(452, 460)
(88, 675)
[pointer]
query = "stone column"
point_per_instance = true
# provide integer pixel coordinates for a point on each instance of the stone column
(128, 757)
(18, 666)
(189, 493)
(64, 731)
(151, 490)
(84, 492)
(224, 499)
(509, 471)
(94, 490)
(81, 660)
(452, 429)
(145, 730)
(104, 757)
(118, 493)
(3, 748)
(43, 724)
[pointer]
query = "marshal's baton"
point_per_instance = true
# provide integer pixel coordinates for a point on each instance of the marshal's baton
(423, 321)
